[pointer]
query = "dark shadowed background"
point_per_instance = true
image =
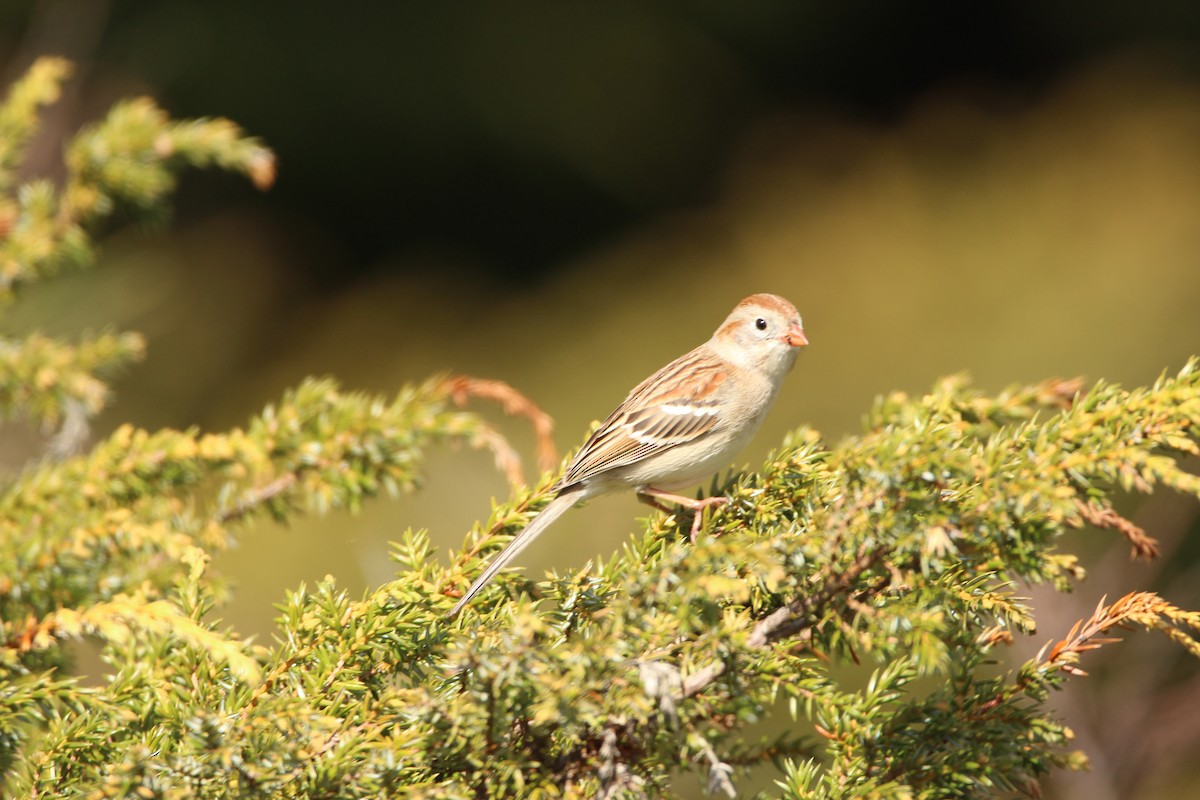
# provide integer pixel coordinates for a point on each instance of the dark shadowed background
(565, 195)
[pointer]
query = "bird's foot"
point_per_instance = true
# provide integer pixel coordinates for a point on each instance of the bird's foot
(652, 496)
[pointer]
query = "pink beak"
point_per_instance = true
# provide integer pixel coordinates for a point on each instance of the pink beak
(795, 336)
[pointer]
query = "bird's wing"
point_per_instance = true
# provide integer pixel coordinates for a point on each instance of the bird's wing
(674, 406)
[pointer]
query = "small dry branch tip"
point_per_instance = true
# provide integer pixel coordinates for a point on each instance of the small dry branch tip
(461, 388)
(1103, 515)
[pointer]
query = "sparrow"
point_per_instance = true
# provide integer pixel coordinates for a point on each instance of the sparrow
(680, 425)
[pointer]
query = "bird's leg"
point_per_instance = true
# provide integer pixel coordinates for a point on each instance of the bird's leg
(651, 496)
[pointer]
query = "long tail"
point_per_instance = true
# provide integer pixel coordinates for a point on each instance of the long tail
(557, 507)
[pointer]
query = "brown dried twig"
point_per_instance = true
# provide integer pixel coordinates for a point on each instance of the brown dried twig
(1102, 515)
(1140, 608)
(461, 388)
(1059, 392)
(507, 460)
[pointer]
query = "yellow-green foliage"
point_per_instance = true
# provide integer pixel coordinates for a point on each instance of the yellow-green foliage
(897, 548)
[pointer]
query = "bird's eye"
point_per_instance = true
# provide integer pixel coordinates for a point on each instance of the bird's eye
(760, 323)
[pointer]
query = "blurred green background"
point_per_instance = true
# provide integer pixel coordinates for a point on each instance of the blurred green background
(565, 195)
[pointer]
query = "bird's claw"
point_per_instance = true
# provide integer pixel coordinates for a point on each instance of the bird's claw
(698, 508)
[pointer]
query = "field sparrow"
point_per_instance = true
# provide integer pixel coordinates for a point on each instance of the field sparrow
(681, 424)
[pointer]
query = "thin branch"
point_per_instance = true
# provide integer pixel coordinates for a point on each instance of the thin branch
(255, 498)
(793, 619)
(461, 388)
(1102, 515)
